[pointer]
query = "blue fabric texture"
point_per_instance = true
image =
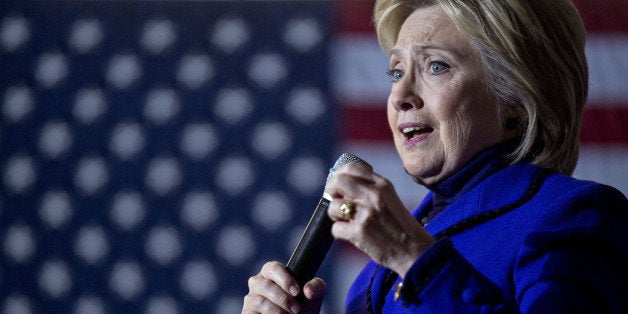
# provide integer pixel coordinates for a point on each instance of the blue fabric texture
(561, 246)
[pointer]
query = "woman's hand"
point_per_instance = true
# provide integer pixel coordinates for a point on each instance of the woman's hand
(379, 224)
(274, 290)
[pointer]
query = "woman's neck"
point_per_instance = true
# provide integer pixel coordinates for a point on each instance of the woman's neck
(466, 178)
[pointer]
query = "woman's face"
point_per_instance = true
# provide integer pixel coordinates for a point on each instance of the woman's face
(439, 109)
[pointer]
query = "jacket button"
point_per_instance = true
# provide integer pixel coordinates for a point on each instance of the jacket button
(493, 308)
(470, 296)
(487, 309)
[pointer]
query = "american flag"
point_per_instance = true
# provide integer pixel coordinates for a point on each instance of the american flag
(155, 154)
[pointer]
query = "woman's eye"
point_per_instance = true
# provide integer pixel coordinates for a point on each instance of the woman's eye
(438, 67)
(396, 75)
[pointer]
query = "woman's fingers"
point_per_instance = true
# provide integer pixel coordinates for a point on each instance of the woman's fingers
(273, 290)
(269, 296)
(349, 180)
(368, 213)
(315, 289)
(276, 272)
(254, 303)
(314, 292)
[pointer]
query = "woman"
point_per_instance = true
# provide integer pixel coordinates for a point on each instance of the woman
(485, 108)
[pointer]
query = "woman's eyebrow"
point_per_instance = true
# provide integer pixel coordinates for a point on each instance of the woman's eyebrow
(431, 46)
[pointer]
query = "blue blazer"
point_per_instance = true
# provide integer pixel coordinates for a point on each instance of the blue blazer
(522, 241)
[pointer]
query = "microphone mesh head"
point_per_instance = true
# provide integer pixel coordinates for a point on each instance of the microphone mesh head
(344, 159)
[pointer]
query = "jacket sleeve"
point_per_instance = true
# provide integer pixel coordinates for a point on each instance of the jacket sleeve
(574, 264)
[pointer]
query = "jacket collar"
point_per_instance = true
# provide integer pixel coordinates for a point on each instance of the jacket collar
(497, 191)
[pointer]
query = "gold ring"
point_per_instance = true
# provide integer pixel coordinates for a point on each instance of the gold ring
(346, 209)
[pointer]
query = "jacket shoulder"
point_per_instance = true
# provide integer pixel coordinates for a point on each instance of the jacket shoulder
(560, 188)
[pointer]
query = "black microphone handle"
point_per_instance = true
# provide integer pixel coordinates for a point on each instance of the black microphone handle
(310, 252)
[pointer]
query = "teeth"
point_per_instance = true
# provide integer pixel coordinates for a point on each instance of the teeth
(411, 129)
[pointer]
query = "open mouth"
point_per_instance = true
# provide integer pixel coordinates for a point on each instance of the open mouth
(416, 131)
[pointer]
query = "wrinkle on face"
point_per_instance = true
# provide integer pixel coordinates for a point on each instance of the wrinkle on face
(428, 32)
(456, 103)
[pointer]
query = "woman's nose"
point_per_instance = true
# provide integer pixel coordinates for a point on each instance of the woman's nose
(404, 96)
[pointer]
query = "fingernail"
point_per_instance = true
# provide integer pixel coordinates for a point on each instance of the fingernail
(295, 308)
(294, 290)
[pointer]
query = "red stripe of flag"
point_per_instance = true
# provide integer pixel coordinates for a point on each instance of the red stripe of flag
(605, 125)
(365, 123)
(608, 16)
(604, 16)
(354, 16)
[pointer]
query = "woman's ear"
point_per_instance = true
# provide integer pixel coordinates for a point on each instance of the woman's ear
(511, 123)
(512, 119)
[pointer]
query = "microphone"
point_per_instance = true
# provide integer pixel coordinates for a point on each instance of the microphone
(316, 239)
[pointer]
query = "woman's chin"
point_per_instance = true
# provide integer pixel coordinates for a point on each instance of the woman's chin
(422, 176)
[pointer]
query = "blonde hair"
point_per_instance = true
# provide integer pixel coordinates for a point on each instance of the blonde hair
(533, 54)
